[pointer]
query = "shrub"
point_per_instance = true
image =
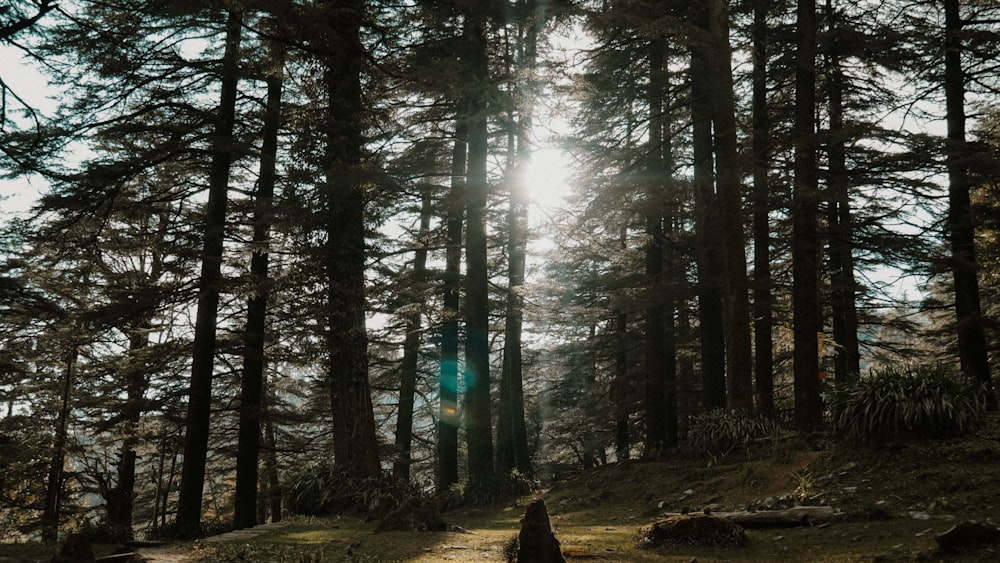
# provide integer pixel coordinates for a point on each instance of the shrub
(900, 403)
(719, 432)
(324, 489)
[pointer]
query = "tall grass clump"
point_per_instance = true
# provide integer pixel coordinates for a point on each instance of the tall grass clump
(325, 489)
(899, 403)
(719, 432)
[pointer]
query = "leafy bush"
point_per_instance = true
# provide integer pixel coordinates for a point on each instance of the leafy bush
(900, 403)
(324, 489)
(719, 432)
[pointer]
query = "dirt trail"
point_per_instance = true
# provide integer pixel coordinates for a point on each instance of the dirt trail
(182, 554)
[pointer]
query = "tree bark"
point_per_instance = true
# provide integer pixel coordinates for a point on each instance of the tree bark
(654, 399)
(355, 444)
(120, 499)
(739, 352)
(252, 383)
(411, 352)
(847, 362)
(762, 284)
(709, 242)
(968, 310)
(448, 418)
(479, 434)
(200, 387)
(52, 509)
(805, 269)
(512, 434)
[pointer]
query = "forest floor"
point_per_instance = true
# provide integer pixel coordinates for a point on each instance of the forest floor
(891, 502)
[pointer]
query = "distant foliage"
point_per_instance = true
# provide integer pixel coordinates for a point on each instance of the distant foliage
(325, 489)
(719, 432)
(898, 403)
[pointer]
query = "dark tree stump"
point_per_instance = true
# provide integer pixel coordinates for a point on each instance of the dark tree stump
(967, 535)
(693, 529)
(536, 543)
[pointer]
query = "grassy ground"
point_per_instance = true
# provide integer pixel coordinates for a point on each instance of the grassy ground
(893, 501)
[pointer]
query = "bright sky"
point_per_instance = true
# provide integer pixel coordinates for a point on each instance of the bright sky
(17, 196)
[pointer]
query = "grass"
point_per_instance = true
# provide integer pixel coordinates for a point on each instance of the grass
(342, 540)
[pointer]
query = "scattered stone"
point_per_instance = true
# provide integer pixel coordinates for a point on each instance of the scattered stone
(74, 549)
(967, 534)
(693, 529)
(536, 543)
(919, 515)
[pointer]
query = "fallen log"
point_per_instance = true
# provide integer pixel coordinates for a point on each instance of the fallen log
(785, 518)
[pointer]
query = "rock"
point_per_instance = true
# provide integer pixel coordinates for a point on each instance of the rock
(536, 543)
(693, 529)
(74, 549)
(967, 534)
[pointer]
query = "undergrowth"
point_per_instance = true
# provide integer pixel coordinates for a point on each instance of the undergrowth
(905, 403)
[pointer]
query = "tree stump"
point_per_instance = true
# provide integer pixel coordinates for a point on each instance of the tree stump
(693, 529)
(536, 543)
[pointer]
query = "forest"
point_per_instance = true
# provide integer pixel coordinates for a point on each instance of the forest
(288, 255)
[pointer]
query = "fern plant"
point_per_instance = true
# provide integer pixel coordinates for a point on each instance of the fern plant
(324, 489)
(898, 403)
(719, 432)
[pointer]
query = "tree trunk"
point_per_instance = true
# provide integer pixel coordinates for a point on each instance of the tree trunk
(708, 236)
(619, 388)
(847, 362)
(252, 384)
(354, 441)
(762, 285)
(477, 347)
(120, 498)
(512, 433)
(52, 510)
(805, 269)
(449, 419)
(654, 399)
(209, 287)
(411, 351)
(964, 267)
(739, 353)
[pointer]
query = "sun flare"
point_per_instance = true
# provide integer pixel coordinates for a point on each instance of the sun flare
(547, 177)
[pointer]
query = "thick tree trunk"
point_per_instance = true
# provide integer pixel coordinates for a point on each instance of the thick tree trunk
(200, 388)
(964, 267)
(847, 362)
(739, 353)
(252, 383)
(479, 434)
(654, 398)
(709, 242)
(762, 284)
(354, 441)
(805, 268)
(411, 351)
(448, 417)
(512, 433)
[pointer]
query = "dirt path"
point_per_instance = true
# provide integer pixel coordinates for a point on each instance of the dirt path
(181, 554)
